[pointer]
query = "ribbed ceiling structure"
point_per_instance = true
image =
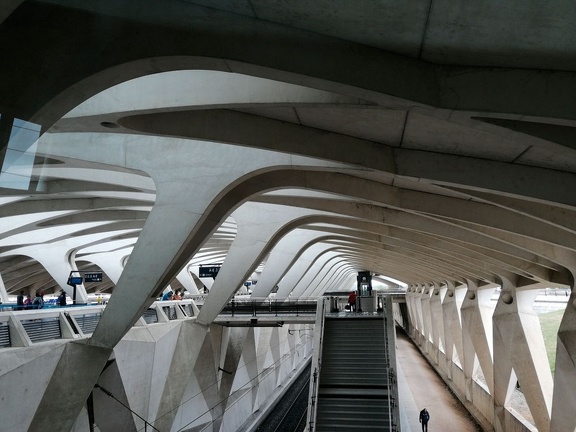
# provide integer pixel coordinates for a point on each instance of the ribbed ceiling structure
(390, 139)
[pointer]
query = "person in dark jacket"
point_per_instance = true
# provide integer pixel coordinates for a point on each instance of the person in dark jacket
(38, 302)
(20, 301)
(62, 298)
(424, 417)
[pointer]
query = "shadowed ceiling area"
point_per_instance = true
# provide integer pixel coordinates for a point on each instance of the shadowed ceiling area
(423, 142)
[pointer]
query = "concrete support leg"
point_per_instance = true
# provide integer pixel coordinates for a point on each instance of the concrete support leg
(74, 376)
(251, 362)
(186, 280)
(295, 274)
(563, 418)
(477, 332)
(3, 293)
(437, 324)
(420, 338)
(254, 238)
(281, 259)
(411, 296)
(306, 285)
(451, 304)
(59, 263)
(188, 348)
(519, 344)
(427, 321)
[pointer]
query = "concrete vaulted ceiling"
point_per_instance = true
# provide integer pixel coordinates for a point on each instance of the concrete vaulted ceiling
(429, 142)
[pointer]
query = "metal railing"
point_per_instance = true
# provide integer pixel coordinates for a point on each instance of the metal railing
(269, 307)
(69, 322)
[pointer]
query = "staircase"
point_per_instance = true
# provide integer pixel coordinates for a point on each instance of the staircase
(356, 389)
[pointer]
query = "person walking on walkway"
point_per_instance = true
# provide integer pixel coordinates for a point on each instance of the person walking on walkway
(424, 417)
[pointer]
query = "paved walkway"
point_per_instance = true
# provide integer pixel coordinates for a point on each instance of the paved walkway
(420, 387)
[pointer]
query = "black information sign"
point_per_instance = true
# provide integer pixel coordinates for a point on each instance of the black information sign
(210, 271)
(93, 277)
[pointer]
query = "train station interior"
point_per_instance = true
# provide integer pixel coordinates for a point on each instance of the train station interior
(205, 182)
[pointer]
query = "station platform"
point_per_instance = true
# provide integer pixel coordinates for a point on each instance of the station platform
(420, 387)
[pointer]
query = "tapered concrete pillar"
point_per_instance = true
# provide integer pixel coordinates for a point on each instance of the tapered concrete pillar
(56, 258)
(81, 366)
(411, 296)
(292, 278)
(110, 263)
(319, 265)
(427, 320)
(420, 338)
(288, 249)
(437, 322)
(3, 293)
(311, 287)
(191, 346)
(477, 334)
(519, 345)
(452, 325)
(260, 227)
(563, 418)
(186, 280)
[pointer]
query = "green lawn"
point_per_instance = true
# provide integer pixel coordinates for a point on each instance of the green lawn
(550, 322)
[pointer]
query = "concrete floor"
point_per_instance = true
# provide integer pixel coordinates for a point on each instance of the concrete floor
(420, 387)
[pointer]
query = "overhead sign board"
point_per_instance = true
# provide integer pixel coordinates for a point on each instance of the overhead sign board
(208, 271)
(93, 277)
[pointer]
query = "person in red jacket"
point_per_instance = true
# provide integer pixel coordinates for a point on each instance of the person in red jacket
(352, 301)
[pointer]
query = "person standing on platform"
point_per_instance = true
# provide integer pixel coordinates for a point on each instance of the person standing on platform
(352, 301)
(424, 417)
(62, 298)
(20, 301)
(38, 302)
(28, 302)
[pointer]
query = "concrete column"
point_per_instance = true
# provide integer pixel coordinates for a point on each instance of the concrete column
(427, 320)
(193, 348)
(251, 363)
(411, 305)
(437, 322)
(295, 273)
(330, 280)
(110, 263)
(81, 364)
(3, 293)
(186, 280)
(421, 338)
(452, 327)
(56, 258)
(260, 227)
(282, 257)
(563, 418)
(318, 265)
(477, 334)
(519, 345)
(311, 286)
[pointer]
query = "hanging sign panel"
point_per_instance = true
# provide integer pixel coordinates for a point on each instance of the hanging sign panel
(208, 271)
(93, 277)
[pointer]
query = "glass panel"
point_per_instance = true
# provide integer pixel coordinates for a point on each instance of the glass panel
(19, 158)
